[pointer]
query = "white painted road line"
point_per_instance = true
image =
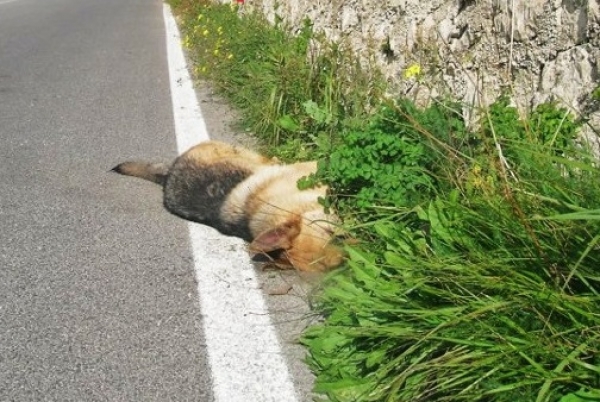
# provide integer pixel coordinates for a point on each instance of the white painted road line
(246, 360)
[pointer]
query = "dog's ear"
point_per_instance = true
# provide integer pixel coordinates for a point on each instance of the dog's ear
(280, 237)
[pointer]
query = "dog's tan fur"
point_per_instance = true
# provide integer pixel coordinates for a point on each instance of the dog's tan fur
(244, 194)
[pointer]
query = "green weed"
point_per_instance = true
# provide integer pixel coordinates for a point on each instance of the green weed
(481, 287)
(278, 80)
(475, 276)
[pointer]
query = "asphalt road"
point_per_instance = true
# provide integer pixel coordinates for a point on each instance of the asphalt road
(98, 299)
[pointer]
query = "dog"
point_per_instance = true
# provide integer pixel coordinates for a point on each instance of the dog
(244, 194)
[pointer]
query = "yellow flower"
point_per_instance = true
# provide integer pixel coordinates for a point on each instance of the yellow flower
(205, 32)
(216, 52)
(412, 71)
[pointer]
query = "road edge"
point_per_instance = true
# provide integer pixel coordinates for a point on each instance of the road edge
(246, 359)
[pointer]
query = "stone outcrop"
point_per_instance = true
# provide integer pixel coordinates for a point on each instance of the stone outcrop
(536, 50)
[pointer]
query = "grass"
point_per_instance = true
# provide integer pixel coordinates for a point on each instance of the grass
(481, 286)
(476, 275)
(271, 75)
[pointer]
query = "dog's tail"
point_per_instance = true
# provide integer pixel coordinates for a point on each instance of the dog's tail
(155, 172)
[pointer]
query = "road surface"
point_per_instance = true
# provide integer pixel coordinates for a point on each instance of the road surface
(99, 286)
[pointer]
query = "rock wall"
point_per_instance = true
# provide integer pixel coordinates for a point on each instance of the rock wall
(536, 50)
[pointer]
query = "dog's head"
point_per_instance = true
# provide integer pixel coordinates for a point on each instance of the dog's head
(299, 243)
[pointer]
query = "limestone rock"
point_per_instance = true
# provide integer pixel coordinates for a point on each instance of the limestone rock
(540, 49)
(565, 78)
